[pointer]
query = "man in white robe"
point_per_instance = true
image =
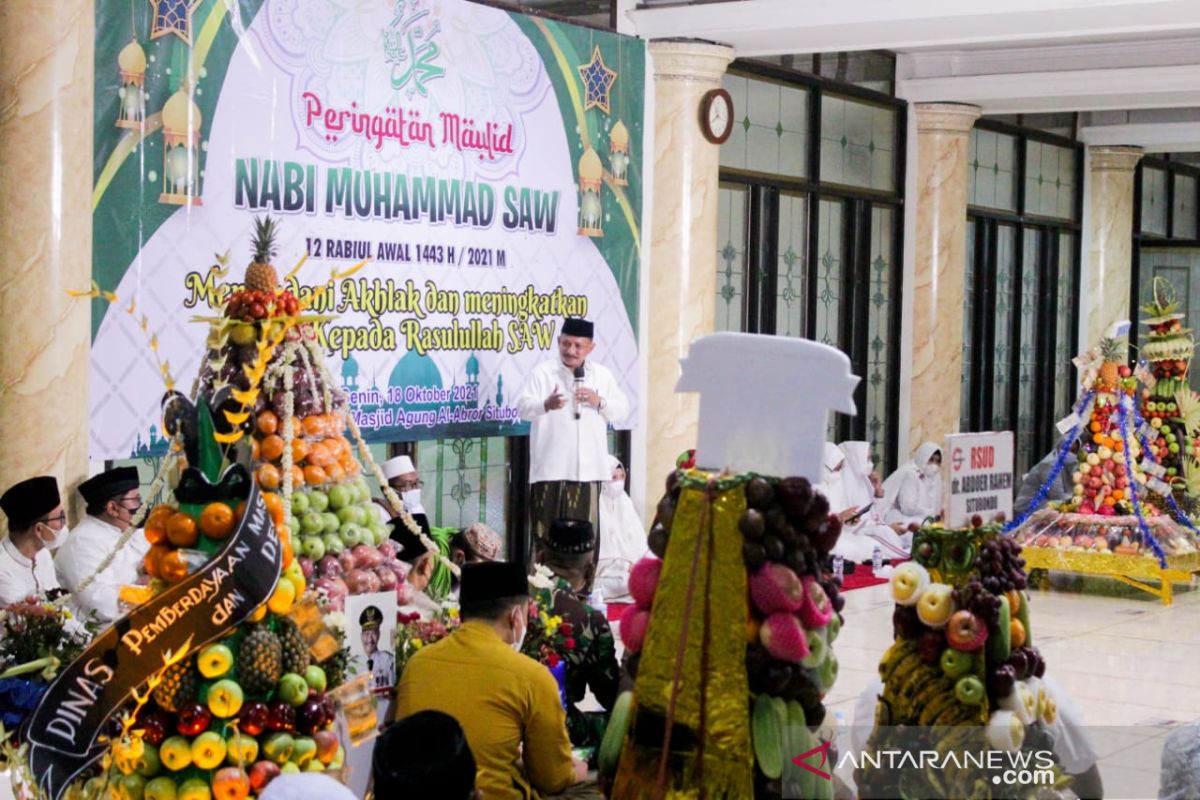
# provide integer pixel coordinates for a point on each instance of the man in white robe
(113, 498)
(570, 402)
(37, 524)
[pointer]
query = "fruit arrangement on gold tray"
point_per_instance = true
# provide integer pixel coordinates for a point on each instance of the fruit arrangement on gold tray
(1119, 536)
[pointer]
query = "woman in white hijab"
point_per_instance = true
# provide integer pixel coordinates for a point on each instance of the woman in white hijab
(913, 493)
(863, 487)
(622, 537)
(851, 545)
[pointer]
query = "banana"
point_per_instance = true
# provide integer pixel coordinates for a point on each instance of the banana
(938, 706)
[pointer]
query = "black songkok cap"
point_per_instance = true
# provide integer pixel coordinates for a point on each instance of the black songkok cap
(107, 485)
(425, 755)
(574, 326)
(571, 536)
(491, 580)
(29, 500)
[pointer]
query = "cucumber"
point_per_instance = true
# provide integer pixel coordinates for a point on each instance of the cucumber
(614, 734)
(766, 733)
(999, 643)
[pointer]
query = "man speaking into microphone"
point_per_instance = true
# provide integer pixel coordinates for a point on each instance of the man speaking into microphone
(569, 402)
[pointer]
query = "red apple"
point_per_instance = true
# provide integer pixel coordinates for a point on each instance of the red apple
(262, 773)
(194, 719)
(327, 745)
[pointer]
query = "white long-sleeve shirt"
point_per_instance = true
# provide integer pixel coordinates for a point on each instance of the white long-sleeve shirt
(21, 577)
(90, 543)
(562, 448)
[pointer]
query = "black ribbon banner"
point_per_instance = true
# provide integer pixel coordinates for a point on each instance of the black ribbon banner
(63, 731)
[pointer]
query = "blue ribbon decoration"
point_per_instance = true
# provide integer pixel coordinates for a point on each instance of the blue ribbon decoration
(1056, 470)
(1123, 408)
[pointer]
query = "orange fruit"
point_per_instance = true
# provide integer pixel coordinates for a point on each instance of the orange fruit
(266, 422)
(271, 447)
(1017, 633)
(752, 628)
(258, 613)
(297, 427)
(181, 530)
(299, 450)
(344, 444)
(274, 505)
(173, 567)
(216, 520)
(318, 454)
(153, 558)
(314, 475)
(314, 425)
(285, 539)
(1095, 427)
(335, 472)
(254, 449)
(337, 423)
(240, 511)
(268, 476)
(352, 468)
(297, 475)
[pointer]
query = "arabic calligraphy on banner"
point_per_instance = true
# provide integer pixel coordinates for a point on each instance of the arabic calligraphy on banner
(469, 154)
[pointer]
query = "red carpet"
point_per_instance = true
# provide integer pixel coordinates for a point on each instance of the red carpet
(861, 579)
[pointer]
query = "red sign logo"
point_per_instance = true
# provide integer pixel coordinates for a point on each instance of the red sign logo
(823, 749)
(957, 458)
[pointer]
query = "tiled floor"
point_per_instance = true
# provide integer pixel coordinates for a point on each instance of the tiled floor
(1131, 665)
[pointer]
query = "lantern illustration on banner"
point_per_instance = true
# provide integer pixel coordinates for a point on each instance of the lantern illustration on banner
(618, 148)
(181, 150)
(591, 175)
(132, 64)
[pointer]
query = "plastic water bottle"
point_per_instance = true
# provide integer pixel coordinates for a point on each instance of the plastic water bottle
(839, 567)
(876, 559)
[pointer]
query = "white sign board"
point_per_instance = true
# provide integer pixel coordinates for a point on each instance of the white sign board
(980, 476)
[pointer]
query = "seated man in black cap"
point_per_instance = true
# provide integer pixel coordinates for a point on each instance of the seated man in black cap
(507, 703)
(568, 553)
(113, 498)
(425, 755)
(569, 401)
(37, 524)
(428, 575)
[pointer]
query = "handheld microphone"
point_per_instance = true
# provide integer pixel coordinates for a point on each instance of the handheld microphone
(578, 383)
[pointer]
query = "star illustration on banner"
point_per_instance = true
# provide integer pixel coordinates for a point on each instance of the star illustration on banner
(173, 16)
(597, 80)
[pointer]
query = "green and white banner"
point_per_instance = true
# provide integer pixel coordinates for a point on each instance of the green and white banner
(487, 163)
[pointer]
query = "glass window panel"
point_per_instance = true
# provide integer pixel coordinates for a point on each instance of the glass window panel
(1049, 180)
(1154, 201)
(858, 143)
(792, 277)
(731, 257)
(466, 481)
(1006, 265)
(1184, 218)
(965, 399)
(829, 281)
(1027, 361)
(992, 180)
(770, 134)
(1065, 333)
(879, 388)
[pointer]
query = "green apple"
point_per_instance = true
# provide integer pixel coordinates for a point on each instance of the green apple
(215, 660)
(125, 754)
(289, 767)
(133, 787)
(299, 502)
(956, 663)
(176, 753)
(304, 749)
(292, 689)
(194, 789)
(225, 697)
(278, 747)
(161, 788)
(330, 522)
(351, 534)
(314, 676)
(333, 544)
(149, 764)
(208, 750)
(313, 547)
(240, 748)
(318, 500)
(314, 766)
(340, 497)
(352, 514)
(312, 523)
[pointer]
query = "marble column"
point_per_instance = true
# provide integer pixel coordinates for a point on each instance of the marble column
(683, 247)
(45, 239)
(943, 130)
(1110, 236)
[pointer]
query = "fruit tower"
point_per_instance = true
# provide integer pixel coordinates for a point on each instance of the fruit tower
(963, 662)
(741, 583)
(224, 721)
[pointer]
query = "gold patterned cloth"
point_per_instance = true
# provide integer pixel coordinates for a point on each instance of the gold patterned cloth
(692, 669)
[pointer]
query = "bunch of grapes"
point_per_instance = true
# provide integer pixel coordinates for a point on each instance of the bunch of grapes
(979, 601)
(1001, 566)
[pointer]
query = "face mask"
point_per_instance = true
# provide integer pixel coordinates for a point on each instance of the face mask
(520, 640)
(614, 487)
(411, 500)
(59, 538)
(931, 470)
